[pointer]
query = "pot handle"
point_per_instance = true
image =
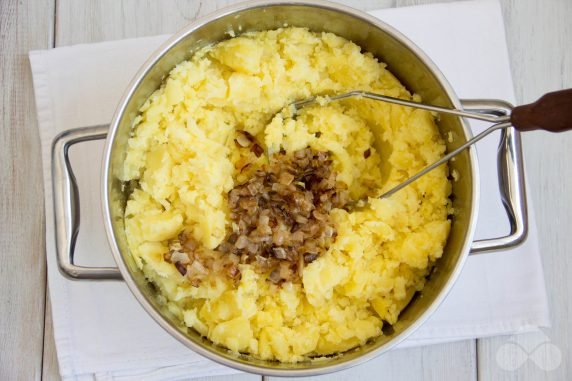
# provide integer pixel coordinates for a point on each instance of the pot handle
(512, 188)
(67, 209)
(66, 205)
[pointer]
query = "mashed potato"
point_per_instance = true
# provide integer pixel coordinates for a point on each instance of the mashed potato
(182, 153)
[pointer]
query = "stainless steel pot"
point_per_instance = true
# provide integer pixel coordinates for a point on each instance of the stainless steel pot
(404, 59)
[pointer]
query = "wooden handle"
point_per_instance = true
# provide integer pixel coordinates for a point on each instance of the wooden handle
(552, 112)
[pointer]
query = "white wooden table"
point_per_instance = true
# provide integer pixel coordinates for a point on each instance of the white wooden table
(539, 34)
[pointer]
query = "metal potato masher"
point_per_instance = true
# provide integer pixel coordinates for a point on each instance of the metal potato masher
(552, 112)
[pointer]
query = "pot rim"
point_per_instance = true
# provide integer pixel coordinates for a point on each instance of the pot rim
(127, 275)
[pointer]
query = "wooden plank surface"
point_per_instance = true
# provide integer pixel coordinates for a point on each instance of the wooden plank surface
(84, 21)
(23, 26)
(539, 35)
(454, 361)
(539, 40)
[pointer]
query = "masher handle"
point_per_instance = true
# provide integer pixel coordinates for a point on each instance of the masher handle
(552, 112)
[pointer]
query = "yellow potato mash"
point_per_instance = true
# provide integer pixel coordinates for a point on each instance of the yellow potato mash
(183, 154)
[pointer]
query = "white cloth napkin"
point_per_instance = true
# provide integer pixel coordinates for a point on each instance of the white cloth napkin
(102, 333)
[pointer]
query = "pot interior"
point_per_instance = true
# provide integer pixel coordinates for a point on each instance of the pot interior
(404, 60)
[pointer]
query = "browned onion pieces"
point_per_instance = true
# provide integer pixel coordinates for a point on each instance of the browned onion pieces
(245, 140)
(281, 214)
(196, 264)
(281, 221)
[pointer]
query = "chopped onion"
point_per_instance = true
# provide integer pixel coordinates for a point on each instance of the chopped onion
(243, 140)
(178, 257)
(279, 252)
(197, 268)
(241, 242)
(286, 178)
(279, 219)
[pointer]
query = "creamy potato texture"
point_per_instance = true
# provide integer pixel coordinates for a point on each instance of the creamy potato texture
(183, 154)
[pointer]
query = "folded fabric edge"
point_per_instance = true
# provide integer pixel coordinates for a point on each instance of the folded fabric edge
(44, 113)
(175, 372)
(485, 330)
(109, 44)
(447, 340)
